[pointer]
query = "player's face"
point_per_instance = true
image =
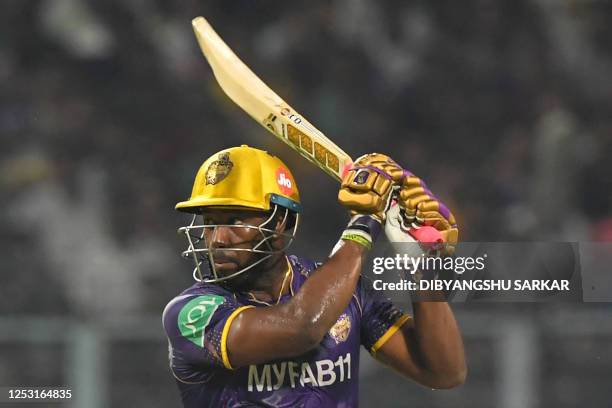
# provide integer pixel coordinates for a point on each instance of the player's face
(232, 231)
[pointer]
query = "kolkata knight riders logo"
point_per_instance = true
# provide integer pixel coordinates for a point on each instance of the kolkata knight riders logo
(219, 169)
(361, 177)
(341, 329)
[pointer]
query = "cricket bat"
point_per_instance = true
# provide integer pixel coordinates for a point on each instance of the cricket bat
(266, 107)
(269, 110)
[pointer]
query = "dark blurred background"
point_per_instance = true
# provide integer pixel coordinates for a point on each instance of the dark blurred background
(107, 109)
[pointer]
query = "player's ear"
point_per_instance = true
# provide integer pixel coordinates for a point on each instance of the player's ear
(281, 225)
(284, 223)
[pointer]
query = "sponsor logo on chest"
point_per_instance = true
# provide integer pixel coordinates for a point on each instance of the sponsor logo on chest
(321, 373)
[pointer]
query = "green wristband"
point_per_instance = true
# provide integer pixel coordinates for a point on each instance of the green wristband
(358, 239)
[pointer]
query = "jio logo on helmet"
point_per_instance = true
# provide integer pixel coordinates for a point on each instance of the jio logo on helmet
(284, 181)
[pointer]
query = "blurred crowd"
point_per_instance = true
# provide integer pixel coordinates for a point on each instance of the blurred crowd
(108, 108)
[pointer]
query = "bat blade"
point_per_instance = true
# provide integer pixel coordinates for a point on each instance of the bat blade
(265, 106)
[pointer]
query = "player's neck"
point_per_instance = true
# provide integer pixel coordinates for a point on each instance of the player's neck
(274, 283)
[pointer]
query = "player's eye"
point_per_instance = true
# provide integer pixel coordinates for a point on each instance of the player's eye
(236, 221)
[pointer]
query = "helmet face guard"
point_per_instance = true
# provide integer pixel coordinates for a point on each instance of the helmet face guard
(200, 251)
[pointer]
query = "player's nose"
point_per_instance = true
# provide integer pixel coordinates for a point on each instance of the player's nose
(220, 237)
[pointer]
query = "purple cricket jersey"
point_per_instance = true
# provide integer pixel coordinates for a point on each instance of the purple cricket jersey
(197, 321)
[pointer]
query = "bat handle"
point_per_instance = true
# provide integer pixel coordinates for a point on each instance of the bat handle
(346, 169)
(427, 236)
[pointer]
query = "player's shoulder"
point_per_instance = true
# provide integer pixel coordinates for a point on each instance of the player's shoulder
(202, 289)
(198, 293)
(302, 266)
(305, 266)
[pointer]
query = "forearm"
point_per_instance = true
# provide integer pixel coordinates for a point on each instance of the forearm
(439, 344)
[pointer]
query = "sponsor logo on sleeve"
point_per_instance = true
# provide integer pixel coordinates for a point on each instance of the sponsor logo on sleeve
(196, 315)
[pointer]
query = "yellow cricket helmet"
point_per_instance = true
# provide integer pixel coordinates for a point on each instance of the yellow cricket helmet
(243, 177)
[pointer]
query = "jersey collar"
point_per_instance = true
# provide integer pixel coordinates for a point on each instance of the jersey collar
(250, 297)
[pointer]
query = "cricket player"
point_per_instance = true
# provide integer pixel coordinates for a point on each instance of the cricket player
(261, 328)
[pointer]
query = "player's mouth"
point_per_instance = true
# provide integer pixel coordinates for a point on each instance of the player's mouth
(225, 263)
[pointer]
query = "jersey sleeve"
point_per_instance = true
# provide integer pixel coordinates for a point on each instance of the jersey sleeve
(380, 318)
(197, 328)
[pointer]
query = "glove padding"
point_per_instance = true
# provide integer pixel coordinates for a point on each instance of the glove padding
(368, 186)
(419, 206)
